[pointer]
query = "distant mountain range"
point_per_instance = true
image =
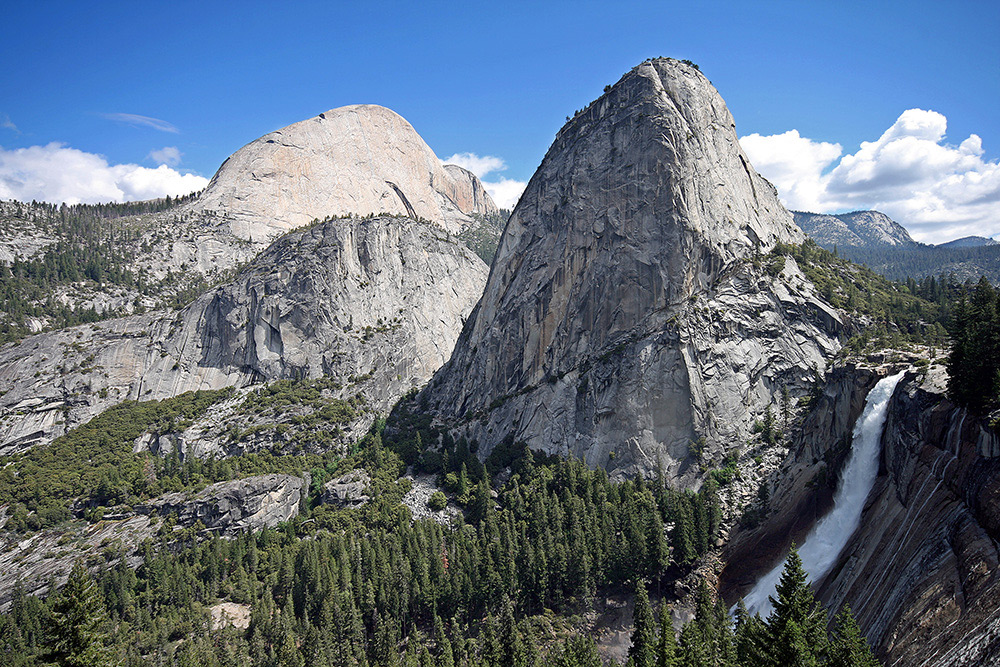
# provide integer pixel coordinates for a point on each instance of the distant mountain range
(879, 242)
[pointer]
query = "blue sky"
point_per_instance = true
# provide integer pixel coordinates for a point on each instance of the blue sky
(492, 79)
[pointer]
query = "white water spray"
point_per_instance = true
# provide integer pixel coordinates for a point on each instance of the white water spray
(825, 541)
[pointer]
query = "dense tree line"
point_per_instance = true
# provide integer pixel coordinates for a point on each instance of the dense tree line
(370, 586)
(974, 362)
(794, 633)
(90, 245)
(896, 313)
(918, 261)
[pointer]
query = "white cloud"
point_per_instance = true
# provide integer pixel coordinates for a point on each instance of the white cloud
(135, 120)
(56, 173)
(7, 124)
(939, 191)
(478, 165)
(794, 164)
(505, 192)
(168, 155)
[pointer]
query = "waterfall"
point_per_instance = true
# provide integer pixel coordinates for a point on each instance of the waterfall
(828, 537)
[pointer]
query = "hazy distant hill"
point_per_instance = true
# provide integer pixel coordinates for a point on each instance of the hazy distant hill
(877, 241)
(969, 242)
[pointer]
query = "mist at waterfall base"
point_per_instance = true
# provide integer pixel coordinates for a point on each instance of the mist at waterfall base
(824, 543)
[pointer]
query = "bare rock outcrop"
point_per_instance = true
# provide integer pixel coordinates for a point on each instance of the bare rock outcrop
(625, 316)
(349, 490)
(468, 193)
(361, 159)
(377, 304)
(240, 506)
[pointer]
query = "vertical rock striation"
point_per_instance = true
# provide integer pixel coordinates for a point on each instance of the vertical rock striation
(623, 317)
(922, 573)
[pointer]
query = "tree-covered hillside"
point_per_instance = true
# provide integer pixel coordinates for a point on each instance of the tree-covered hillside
(511, 584)
(67, 265)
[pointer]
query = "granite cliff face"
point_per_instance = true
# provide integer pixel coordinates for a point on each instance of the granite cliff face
(359, 159)
(922, 573)
(377, 304)
(802, 488)
(239, 506)
(624, 316)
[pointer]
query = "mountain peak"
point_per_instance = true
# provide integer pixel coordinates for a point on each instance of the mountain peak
(860, 229)
(354, 160)
(643, 205)
(969, 242)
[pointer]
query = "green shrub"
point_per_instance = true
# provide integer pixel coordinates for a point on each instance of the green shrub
(438, 501)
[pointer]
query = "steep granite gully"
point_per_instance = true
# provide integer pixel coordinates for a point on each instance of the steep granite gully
(627, 313)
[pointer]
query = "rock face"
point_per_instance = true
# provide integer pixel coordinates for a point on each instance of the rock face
(359, 159)
(802, 489)
(469, 194)
(384, 297)
(239, 506)
(922, 573)
(377, 304)
(623, 317)
(350, 490)
(864, 229)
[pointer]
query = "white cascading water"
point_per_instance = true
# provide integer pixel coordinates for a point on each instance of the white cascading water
(824, 543)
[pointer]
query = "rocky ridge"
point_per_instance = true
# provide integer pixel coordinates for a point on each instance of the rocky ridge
(226, 509)
(376, 304)
(360, 160)
(231, 508)
(625, 315)
(858, 228)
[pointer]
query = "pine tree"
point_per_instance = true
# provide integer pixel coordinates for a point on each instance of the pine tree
(849, 648)
(79, 632)
(666, 647)
(797, 625)
(751, 638)
(643, 650)
(577, 651)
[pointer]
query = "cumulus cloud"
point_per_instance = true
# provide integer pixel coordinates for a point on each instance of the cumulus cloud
(135, 120)
(168, 155)
(939, 191)
(56, 173)
(480, 165)
(504, 191)
(794, 164)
